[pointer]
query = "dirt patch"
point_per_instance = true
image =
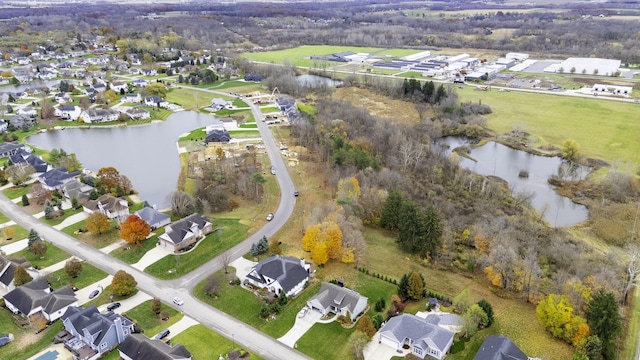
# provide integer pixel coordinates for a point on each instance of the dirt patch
(26, 340)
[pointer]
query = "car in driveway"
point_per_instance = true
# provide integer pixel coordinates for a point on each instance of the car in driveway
(113, 306)
(178, 301)
(163, 334)
(94, 293)
(302, 312)
(270, 217)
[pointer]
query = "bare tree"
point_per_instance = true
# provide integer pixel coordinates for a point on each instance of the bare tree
(225, 259)
(633, 270)
(182, 204)
(19, 173)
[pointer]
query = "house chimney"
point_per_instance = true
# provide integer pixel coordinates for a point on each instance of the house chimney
(302, 262)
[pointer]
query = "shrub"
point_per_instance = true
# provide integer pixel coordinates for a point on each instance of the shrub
(457, 347)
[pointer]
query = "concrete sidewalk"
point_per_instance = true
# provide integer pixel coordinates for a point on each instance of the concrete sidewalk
(151, 257)
(15, 246)
(75, 218)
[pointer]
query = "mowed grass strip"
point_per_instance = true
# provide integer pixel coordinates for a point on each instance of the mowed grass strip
(15, 192)
(52, 256)
(173, 266)
(149, 321)
(204, 343)
(131, 254)
(98, 241)
(604, 129)
(326, 341)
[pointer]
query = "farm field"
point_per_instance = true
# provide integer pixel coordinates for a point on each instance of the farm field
(554, 118)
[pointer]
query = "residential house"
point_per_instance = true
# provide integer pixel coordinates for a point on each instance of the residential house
(23, 156)
(499, 347)
(76, 189)
(155, 101)
(219, 104)
(68, 112)
(140, 82)
(137, 113)
(153, 217)
(54, 179)
(98, 331)
(22, 121)
(185, 232)
(3, 126)
(423, 338)
(99, 87)
(24, 61)
(36, 297)
(113, 207)
(217, 136)
(338, 300)
(280, 274)
(117, 86)
(131, 99)
(28, 111)
(285, 103)
(8, 265)
(62, 98)
(46, 75)
(10, 148)
(149, 72)
(94, 115)
(140, 347)
(90, 91)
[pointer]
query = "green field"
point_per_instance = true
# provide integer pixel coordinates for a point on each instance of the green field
(189, 98)
(204, 343)
(89, 275)
(151, 323)
(299, 56)
(554, 118)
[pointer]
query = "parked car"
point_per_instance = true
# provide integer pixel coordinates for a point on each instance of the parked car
(163, 334)
(270, 217)
(296, 193)
(273, 170)
(302, 312)
(178, 301)
(5, 339)
(113, 306)
(94, 293)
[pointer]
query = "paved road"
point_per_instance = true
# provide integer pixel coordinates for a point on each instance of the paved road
(224, 324)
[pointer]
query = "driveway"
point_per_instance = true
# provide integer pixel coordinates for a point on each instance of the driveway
(83, 294)
(75, 218)
(243, 267)
(128, 304)
(182, 325)
(152, 256)
(377, 351)
(300, 327)
(15, 246)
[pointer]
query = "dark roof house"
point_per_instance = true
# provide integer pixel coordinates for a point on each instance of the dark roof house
(36, 296)
(280, 274)
(499, 347)
(140, 347)
(218, 135)
(8, 267)
(10, 148)
(36, 161)
(96, 330)
(423, 338)
(339, 300)
(185, 232)
(56, 178)
(153, 217)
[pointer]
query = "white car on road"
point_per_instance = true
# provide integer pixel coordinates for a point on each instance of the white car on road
(178, 301)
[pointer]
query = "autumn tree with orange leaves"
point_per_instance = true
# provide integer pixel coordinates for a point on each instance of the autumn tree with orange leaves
(134, 229)
(324, 240)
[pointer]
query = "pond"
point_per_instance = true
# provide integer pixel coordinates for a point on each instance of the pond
(314, 81)
(507, 163)
(146, 154)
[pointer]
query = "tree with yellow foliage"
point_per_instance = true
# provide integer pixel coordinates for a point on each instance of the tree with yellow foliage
(325, 242)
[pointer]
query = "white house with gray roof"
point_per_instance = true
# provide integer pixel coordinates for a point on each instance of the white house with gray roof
(98, 331)
(36, 296)
(140, 347)
(280, 274)
(185, 232)
(153, 217)
(424, 338)
(339, 300)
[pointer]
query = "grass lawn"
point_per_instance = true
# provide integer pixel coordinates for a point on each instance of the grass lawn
(630, 334)
(554, 118)
(288, 313)
(15, 192)
(160, 114)
(59, 219)
(89, 275)
(229, 112)
(244, 134)
(151, 323)
(326, 341)
(195, 135)
(299, 56)
(249, 126)
(53, 256)
(132, 254)
(239, 103)
(190, 99)
(204, 343)
(98, 241)
(15, 232)
(26, 343)
(215, 243)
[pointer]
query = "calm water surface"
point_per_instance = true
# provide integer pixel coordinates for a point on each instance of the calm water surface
(146, 154)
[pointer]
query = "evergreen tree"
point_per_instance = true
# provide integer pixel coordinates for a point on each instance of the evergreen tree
(25, 200)
(389, 218)
(604, 320)
(488, 309)
(48, 210)
(33, 237)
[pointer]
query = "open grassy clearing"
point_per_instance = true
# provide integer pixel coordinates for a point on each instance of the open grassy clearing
(18, 232)
(190, 99)
(151, 323)
(173, 266)
(299, 56)
(204, 343)
(57, 220)
(15, 192)
(630, 334)
(98, 241)
(244, 134)
(26, 343)
(195, 135)
(89, 275)
(552, 119)
(396, 52)
(326, 341)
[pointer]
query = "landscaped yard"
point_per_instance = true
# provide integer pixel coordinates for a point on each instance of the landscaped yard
(98, 241)
(59, 219)
(204, 343)
(173, 266)
(326, 341)
(131, 254)
(89, 275)
(15, 192)
(26, 343)
(53, 256)
(149, 321)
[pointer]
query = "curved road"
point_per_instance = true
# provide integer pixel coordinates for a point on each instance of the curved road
(165, 290)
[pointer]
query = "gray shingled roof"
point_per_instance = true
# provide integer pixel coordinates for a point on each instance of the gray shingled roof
(34, 294)
(9, 264)
(340, 297)
(499, 347)
(407, 326)
(151, 216)
(285, 269)
(57, 177)
(178, 230)
(92, 320)
(140, 347)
